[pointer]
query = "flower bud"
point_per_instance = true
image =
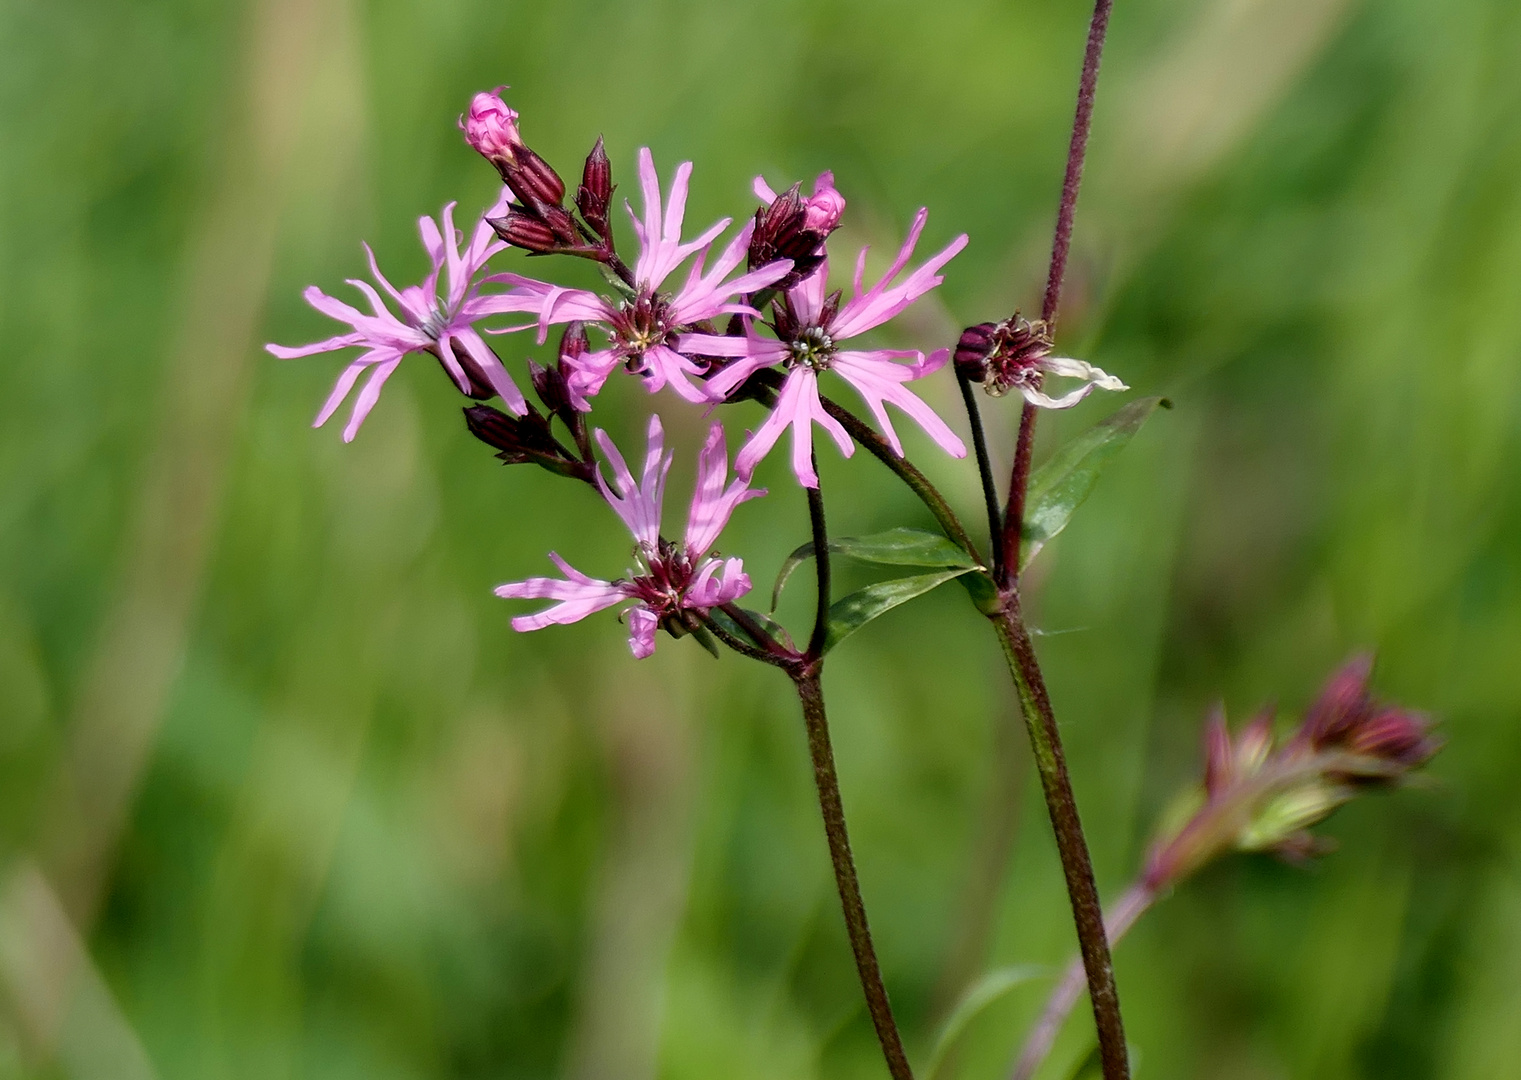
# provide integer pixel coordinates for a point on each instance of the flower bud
(535, 184)
(1342, 705)
(522, 230)
(1393, 735)
(519, 440)
(973, 349)
(491, 127)
(549, 383)
(825, 207)
(595, 194)
(1219, 760)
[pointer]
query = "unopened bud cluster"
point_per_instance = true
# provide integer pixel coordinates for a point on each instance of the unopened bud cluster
(538, 221)
(792, 227)
(1259, 794)
(530, 439)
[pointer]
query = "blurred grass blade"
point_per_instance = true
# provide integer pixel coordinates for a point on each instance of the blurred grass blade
(895, 547)
(1061, 485)
(982, 993)
(861, 607)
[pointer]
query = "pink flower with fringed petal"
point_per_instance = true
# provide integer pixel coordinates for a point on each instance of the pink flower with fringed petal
(669, 578)
(811, 326)
(442, 325)
(641, 327)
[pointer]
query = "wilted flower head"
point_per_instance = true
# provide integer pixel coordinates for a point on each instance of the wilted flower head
(1016, 355)
(1259, 794)
(440, 322)
(643, 326)
(672, 583)
(811, 327)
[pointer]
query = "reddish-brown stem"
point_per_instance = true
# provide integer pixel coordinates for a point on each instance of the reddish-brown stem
(1061, 244)
(1077, 866)
(811, 693)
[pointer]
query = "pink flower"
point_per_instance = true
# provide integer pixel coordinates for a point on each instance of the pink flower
(811, 327)
(491, 126)
(669, 579)
(642, 326)
(433, 323)
(821, 211)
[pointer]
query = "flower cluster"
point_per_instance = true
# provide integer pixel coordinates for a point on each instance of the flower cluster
(1260, 794)
(672, 583)
(750, 319)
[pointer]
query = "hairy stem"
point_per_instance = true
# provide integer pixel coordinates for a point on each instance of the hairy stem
(1019, 485)
(811, 693)
(1127, 909)
(1077, 866)
(821, 564)
(1061, 245)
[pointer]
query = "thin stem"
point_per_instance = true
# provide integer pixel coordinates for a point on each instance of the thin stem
(1061, 244)
(744, 648)
(1077, 151)
(811, 693)
(1077, 866)
(1130, 907)
(757, 632)
(821, 564)
(984, 470)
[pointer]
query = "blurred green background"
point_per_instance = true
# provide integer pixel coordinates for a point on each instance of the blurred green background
(281, 794)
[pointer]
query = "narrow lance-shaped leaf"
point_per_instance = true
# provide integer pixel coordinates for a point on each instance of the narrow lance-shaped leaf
(849, 614)
(1061, 485)
(984, 992)
(895, 547)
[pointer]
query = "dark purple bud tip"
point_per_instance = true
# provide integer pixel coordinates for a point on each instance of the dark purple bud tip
(524, 231)
(1342, 705)
(1218, 757)
(973, 349)
(573, 342)
(1394, 735)
(549, 383)
(516, 439)
(596, 192)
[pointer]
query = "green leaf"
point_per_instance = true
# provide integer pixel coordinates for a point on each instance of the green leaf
(848, 615)
(984, 992)
(1061, 485)
(895, 547)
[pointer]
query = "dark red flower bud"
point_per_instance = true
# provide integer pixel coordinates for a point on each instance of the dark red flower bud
(519, 440)
(573, 342)
(534, 181)
(525, 231)
(1342, 705)
(549, 383)
(1219, 760)
(595, 195)
(973, 349)
(1396, 736)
